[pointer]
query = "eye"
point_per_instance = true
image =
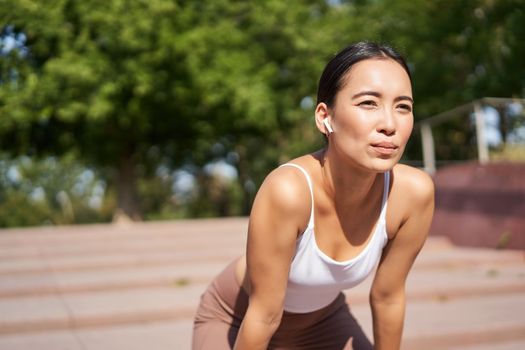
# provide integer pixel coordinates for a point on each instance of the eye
(405, 107)
(368, 104)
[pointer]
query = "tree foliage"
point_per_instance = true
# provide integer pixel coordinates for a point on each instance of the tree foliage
(131, 86)
(50, 191)
(103, 79)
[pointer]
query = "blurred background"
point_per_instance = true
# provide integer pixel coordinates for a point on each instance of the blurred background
(149, 114)
(148, 110)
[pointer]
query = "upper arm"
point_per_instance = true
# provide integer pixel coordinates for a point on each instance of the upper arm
(401, 251)
(278, 213)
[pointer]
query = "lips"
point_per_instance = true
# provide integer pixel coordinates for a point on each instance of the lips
(385, 147)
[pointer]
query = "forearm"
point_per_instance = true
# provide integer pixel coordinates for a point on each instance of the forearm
(256, 331)
(388, 318)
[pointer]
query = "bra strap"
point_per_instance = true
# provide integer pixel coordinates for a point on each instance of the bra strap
(310, 186)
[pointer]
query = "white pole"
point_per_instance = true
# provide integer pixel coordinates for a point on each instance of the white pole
(483, 150)
(429, 156)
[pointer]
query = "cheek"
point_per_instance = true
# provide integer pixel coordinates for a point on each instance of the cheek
(359, 123)
(405, 128)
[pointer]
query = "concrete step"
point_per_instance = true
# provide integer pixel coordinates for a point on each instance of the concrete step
(484, 277)
(111, 242)
(112, 287)
(36, 266)
(454, 323)
(111, 278)
(79, 310)
(163, 335)
(473, 321)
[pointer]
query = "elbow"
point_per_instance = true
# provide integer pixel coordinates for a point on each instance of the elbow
(273, 320)
(378, 297)
(257, 328)
(269, 318)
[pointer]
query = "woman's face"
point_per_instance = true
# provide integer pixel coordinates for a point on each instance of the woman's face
(372, 115)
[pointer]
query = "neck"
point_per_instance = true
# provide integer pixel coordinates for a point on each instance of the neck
(346, 184)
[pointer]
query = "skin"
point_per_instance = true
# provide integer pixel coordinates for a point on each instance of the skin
(372, 120)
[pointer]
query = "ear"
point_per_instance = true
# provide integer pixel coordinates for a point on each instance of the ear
(322, 112)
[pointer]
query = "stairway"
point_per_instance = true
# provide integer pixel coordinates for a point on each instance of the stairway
(137, 286)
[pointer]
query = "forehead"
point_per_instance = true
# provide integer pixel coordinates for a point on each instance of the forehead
(378, 74)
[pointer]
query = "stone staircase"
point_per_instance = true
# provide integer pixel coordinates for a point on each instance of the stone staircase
(137, 286)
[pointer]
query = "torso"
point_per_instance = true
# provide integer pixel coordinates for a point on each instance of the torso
(331, 229)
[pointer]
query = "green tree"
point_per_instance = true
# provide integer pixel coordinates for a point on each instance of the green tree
(106, 79)
(112, 79)
(129, 86)
(50, 191)
(255, 62)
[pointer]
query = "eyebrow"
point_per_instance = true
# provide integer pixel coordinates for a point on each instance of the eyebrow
(377, 94)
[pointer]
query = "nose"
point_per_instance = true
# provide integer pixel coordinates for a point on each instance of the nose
(387, 123)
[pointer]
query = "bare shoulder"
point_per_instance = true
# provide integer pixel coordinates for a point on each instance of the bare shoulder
(416, 185)
(285, 194)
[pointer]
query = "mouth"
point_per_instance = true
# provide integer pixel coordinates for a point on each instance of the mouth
(385, 148)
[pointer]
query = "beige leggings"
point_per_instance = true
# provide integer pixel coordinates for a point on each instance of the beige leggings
(224, 304)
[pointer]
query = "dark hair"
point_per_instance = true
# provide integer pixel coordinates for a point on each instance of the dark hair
(331, 80)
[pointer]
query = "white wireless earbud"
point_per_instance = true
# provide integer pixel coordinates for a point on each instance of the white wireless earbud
(327, 125)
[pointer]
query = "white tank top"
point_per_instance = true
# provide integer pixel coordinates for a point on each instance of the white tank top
(315, 279)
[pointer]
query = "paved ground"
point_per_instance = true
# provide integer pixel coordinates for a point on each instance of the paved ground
(136, 287)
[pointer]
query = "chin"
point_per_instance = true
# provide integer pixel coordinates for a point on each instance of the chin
(382, 165)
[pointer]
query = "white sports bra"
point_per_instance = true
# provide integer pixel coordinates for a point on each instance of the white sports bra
(315, 279)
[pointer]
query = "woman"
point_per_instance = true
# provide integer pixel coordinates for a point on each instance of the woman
(321, 223)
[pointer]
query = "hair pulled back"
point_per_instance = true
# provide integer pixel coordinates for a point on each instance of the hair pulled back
(336, 69)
